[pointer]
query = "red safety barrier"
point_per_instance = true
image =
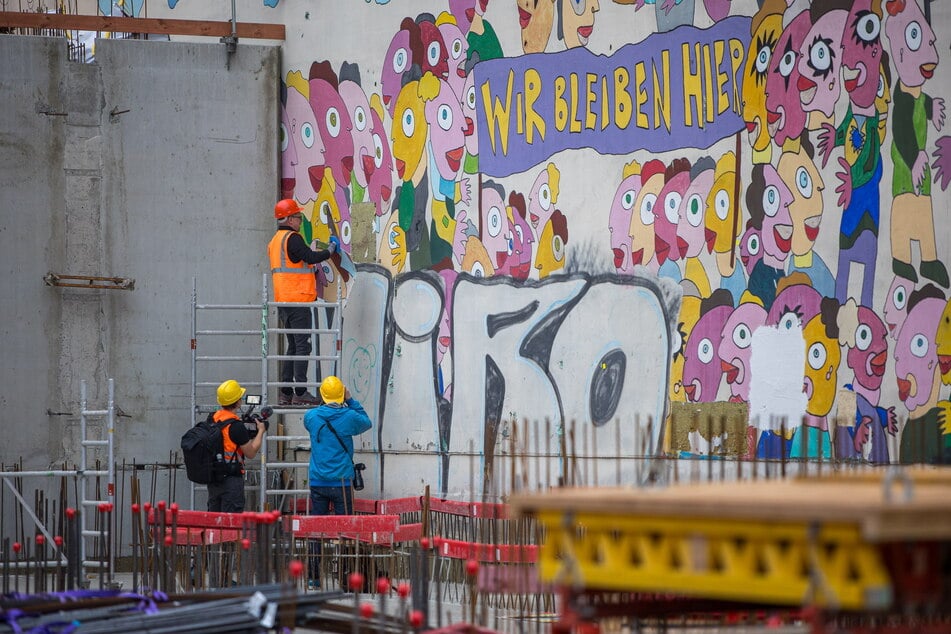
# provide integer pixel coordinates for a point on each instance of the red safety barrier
(376, 529)
(400, 505)
(203, 537)
(206, 519)
(483, 510)
(491, 553)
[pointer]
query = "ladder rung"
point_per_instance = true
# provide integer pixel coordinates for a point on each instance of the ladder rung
(286, 438)
(228, 306)
(93, 563)
(229, 332)
(287, 465)
(92, 533)
(257, 358)
(94, 443)
(95, 412)
(291, 357)
(303, 331)
(94, 502)
(97, 472)
(287, 491)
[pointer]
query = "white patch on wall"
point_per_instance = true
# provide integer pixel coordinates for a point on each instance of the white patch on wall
(777, 367)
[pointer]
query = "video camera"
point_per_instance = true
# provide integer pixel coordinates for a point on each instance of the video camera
(358, 476)
(250, 418)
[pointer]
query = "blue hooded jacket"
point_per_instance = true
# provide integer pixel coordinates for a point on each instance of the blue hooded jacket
(330, 465)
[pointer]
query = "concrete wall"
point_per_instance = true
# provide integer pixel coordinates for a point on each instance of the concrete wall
(138, 166)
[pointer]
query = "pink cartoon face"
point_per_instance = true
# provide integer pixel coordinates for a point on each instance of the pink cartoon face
(776, 232)
(751, 249)
(916, 354)
(443, 339)
(896, 304)
(785, 118)
(868, 356)
(667, 244)
(303, 130)
(619, 223)
(399, 58)
(447, 131)
(643, 242)
(458, 49)
(355, 101)
(794, 306)
(435, 55)
(702, 368)
(379, 166)
(496, 227)
(288, 157)
(693, 209)
(911, 41)
(541, 200)
(463, 11)
(523, 238)
(862, 52)
(468, 103)
(333, 121)
(735, 347)
(820, 57)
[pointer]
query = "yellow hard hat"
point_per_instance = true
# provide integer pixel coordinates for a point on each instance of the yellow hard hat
(332, 390)
(229, 393)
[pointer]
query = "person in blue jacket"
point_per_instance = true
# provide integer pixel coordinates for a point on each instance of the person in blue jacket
(331, 427)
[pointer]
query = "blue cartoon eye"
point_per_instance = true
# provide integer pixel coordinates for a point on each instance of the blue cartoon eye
(816, 356)
(647, 209)
(919, 345)
(705, 351)
(771, 201)
(672, 207)
(494, 221)
(762, 59)
(578, 6)
(307, 135)
(409, 123)
(804, 182)
(913, 36)
(742, 336)
(444, 117)
(400, 60)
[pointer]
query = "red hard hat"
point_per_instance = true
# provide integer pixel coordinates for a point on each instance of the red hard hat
(286, 207)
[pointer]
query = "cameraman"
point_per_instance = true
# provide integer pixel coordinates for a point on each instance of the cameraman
(228, 495)
(331, 427)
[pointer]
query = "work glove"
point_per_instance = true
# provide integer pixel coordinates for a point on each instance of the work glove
(334, 245)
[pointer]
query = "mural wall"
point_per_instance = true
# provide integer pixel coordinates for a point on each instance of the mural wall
(784, 163)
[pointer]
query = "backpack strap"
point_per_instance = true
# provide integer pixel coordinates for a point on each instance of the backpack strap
(337, 436)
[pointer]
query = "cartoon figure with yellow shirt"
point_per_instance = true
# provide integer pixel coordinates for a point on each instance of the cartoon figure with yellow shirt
(820, 381)
(392, 250)
(410, 131)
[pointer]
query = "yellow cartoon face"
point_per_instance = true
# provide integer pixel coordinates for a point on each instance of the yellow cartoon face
(802, 176)
(393, 246)
(721, 205)
(476, 260)
(409, 130)
(822, 366)
(551, 246)
(760, 52)
(943, 342)
(689, 316)
(326, 209)
(642, 219)
(882, 98)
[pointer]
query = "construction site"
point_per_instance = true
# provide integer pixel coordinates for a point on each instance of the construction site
(646, 304)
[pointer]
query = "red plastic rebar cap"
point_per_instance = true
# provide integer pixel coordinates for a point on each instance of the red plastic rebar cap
(383, 585)
(403, 589)
(366, 610)
(356, 581)
(246, 543)
(416, 618)
(295, 568)
(472, 567)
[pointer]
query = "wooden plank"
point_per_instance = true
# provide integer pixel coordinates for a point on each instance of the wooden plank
(161, 26)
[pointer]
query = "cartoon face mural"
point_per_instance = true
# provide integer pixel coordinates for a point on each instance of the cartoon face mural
(689, 315)
(916, 356)
(943, 344)
(702, 368)
(468, 103)
(784, 114)
(380, 165)
(576, 21)
(721, 204)
(822, 366)
(794, 306)
(862, 52)
(358, 107)
(820, 57)
(302, 128)
(398, 60)
(458, 49)
(333, 121)
(447, 131)
(751, 249)
(463, 11)
(476, 261)
(912, 42)
(896, 304)
(535, 19)
(805, 210)
(667, 244)
(765, 30)
(497, 229)
(435, 54)
(693, 209)
(735, 348)
(620, 218)
(543, 196)
(552, 246)
(444, 338)
(410, 129)
(289, 158)
(393, 248)
(868, 351)
(642, 217)
(523, 239)
(331, 213)
(769, 198)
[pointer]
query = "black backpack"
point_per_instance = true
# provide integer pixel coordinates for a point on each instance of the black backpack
(203, 448)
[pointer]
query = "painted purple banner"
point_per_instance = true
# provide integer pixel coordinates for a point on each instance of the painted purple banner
(673, 90)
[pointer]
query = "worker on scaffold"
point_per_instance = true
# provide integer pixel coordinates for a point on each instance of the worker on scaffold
(294, 280)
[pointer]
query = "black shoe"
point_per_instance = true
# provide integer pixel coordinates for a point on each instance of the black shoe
(905, 270)
(306, 399)
(934, 270)
(285, 399)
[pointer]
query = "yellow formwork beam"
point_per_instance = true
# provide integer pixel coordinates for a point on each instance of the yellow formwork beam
(784, 563)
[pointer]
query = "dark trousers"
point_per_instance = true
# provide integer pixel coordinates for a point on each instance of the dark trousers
(227, 496)
(321, 499)
(298, 344)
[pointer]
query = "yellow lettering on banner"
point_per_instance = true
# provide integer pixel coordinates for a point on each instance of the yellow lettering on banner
(737, 55)
(693, 87)
(723, 99)
(561, 106)
(590, 119)
(622, 98)
(605, 119)
(640, 95)
(708, 83)
(662, 92)
(533, 120)
(519, 115)
(574, 125)
(496, 113)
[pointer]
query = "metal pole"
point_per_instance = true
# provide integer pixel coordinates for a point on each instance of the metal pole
(262, 480)
(111, 482)
(194, 348)
(82, 481)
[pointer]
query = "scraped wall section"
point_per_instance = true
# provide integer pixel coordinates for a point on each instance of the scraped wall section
(136, 167)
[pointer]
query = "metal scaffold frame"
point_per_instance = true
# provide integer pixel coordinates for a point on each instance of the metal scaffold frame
(334, 313)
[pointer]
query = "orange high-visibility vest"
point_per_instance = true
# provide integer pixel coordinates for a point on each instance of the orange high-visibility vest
(292, 281)
(232, 451)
